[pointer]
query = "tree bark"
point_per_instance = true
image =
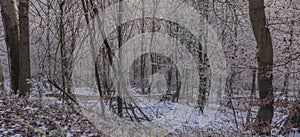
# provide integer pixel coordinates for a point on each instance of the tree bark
(203, 62)
(24, 47)
(1, 76)
(10, 23)
(265, 65)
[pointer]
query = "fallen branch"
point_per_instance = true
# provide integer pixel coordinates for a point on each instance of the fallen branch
(53, 83)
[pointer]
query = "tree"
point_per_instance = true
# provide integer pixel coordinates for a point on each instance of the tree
(265, 65)
(24, 46)
(10, 22)
(17, 40)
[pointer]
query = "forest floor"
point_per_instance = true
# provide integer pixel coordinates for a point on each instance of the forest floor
(52, 117)
(28, 117)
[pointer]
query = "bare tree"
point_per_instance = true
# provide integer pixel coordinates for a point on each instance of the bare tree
(265, 65)
(24, 46)
(9, 18)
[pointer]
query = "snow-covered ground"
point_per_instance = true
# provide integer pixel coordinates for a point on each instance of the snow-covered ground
(52, 117)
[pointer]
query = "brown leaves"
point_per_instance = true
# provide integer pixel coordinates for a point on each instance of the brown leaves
(17, 113)
(282, 103)
(260, 102)
(262, 127)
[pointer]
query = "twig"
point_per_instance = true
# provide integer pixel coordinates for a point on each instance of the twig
(60, 89)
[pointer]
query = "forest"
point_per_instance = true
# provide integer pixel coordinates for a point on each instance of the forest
(203, 68)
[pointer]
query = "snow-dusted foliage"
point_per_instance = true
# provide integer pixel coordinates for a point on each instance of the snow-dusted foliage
(62, 80)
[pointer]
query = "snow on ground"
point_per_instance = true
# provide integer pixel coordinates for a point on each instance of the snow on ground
(52, 117)
(19, 116)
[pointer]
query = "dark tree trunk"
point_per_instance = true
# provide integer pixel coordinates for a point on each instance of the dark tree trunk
(24, 47)
(9, 18)
(265, 65)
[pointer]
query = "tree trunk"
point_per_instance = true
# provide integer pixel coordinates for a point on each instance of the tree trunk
(265, 65)
(62, 44)
(1, 76)
(24, 47)
(9, 18)
(203, 63)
